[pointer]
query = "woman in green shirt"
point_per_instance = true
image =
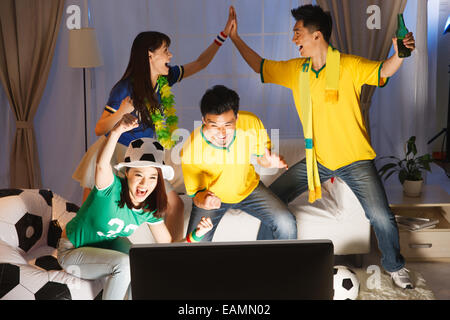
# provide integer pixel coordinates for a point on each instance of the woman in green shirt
(94, 242)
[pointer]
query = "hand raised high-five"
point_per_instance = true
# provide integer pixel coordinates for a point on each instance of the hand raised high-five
(233, 22)
(230, 22)
(251, 57)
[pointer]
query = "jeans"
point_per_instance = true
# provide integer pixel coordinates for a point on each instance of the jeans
(95, 263)
(277, 222)
(363, 180)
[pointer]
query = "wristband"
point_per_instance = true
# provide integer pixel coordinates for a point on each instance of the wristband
(195, 237)
(192, 237)
(220, 39)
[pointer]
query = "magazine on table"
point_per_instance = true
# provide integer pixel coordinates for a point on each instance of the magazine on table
(415, 223)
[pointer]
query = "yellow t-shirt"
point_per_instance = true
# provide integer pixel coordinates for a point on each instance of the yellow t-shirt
(340, 136)
(227, 172)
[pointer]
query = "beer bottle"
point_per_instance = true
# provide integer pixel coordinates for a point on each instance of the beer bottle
(403, 51)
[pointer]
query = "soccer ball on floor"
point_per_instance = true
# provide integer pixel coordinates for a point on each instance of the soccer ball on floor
(345, 283)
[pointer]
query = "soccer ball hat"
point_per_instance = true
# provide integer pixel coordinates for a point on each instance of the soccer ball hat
(146, 152)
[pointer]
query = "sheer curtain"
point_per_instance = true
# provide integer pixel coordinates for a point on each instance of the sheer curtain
(401, 109)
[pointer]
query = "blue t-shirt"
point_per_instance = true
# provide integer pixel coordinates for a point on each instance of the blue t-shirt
(123, 89)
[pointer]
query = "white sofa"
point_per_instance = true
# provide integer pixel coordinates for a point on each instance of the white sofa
(29, 270)
(338, 216)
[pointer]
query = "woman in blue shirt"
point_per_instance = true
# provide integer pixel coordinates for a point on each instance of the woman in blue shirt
(137, 92)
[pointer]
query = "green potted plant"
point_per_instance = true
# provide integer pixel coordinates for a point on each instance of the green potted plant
(409, 169)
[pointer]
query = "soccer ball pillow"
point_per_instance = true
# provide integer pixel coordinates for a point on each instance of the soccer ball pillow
(345, 283)
(24, 217)
(31, 223)
(40, 279)
(32, 220)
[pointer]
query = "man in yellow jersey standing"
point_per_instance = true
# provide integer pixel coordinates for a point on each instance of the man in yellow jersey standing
(217, 162)
(326, 86)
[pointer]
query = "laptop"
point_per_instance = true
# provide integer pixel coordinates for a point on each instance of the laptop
(248, 270)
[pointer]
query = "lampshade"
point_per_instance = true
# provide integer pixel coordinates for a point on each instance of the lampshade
(83, 49)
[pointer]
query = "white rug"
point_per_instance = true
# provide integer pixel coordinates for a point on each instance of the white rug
(375, 285)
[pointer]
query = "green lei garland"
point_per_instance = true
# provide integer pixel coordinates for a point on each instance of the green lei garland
(165, 118)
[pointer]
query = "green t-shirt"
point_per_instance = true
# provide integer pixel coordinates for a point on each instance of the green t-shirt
(100, 219)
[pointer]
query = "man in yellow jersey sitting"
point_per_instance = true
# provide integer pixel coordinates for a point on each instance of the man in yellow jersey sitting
(326, 86)
(218, 171)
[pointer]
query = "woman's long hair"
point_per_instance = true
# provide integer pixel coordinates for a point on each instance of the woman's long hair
(139, 73)
(157, 200)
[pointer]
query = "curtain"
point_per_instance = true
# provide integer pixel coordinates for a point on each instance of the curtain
(401, 107)
(351, 33)
(424, 109)
(28, 33)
